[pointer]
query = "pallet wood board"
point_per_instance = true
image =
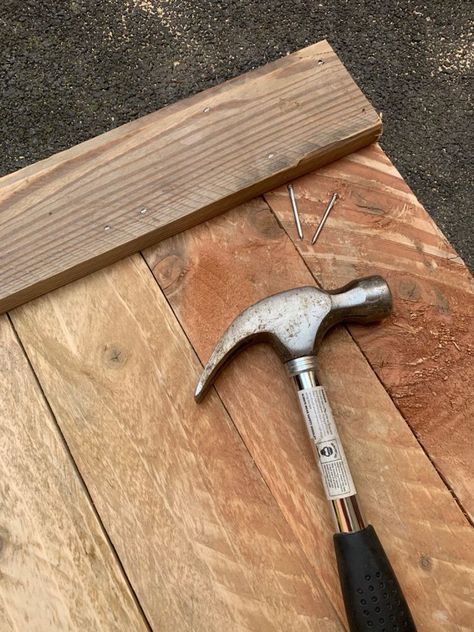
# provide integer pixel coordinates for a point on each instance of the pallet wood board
(209, 275)
(201, 538)
(115, 194)
(424, 354)
(216, 511)
(57, 570)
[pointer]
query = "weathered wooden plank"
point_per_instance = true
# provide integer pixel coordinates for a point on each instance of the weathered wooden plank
(424, 353)
(202, 541)
(57, 571)
(110, 196)
(211, 273)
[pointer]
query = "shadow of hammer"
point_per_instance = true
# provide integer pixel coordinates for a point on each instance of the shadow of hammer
(294, 323)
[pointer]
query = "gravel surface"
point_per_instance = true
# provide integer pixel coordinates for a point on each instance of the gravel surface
(71, 69)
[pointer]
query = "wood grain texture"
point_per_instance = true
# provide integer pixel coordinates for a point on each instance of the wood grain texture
(82, 209)
(209, 274)
(200, 536)
(57, 571)
(424, 355)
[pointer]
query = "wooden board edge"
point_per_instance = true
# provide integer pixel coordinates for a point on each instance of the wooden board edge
(366, 129)
(309, 163)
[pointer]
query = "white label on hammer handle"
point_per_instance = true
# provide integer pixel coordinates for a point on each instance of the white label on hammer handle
(322, 430)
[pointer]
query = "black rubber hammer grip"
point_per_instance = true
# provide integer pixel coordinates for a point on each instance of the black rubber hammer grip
(372, 595)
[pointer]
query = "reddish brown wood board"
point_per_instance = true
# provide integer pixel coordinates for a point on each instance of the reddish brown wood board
(424, 353)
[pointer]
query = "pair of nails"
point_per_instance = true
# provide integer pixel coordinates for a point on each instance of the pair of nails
(296, 215)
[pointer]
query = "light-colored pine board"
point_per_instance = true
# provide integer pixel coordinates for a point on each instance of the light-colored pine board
(57, 570)
(108, 197)
(209, 274)
(199, 534)
(424, 355)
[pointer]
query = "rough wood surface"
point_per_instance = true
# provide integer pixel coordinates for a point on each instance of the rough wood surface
(201, 538)
(111, 196)
(424, 354)
(209, 274)
(57, 570)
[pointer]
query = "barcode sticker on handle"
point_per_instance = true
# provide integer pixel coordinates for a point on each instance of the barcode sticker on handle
(322, 430)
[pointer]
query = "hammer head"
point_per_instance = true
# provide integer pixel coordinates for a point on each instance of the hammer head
(294, 322)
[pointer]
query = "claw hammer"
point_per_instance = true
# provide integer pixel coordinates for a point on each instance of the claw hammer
(294, 323)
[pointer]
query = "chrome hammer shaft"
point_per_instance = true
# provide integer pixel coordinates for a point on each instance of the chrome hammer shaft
(327, 446)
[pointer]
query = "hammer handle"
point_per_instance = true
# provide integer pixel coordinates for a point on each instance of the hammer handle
(373, 598)
(372, 595)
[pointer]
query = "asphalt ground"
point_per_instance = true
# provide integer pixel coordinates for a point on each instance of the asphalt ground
(72, 69)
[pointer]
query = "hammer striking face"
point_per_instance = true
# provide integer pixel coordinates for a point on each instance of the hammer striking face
(294, 323)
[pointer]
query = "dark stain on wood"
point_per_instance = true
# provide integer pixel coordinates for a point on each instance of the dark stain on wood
(409, 290)
(115, 356)
(425, 563)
